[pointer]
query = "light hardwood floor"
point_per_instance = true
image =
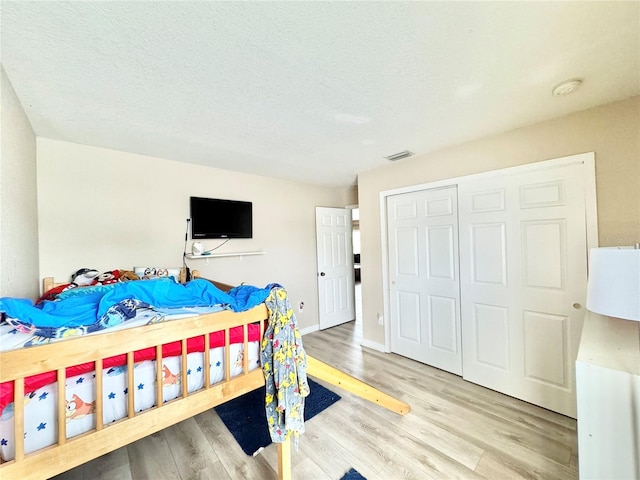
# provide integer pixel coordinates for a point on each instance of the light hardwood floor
(455, 430)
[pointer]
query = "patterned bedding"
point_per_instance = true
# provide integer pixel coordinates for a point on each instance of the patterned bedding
(40, 409)
(156, 300)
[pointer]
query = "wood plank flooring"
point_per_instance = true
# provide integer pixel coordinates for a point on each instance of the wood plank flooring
(456, 430)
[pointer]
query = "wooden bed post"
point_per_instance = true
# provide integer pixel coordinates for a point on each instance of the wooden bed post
(284, 459)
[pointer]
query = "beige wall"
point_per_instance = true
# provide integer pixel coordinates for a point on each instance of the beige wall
(18, 204)
(106, 209)
(611, 131)
(350, 196)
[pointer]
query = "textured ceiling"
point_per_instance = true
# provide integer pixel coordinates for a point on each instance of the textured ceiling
(310, 91)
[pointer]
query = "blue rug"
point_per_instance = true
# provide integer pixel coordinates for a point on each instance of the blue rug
(246, 419)
(352, 475)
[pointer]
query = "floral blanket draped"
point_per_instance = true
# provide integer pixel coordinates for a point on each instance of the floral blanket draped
(284, 364)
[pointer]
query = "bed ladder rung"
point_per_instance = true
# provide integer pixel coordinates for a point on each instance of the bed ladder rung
(62, 412)
(207, 361)
(227, 356)
(245, 351)
(99, 398)
(130, 387)
(185, 382)
(18, 416)
(159, 377)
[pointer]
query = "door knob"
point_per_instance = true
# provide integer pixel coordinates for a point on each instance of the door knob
(322, 274)
(576, 305)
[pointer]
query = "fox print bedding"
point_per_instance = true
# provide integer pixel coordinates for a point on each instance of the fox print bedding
(41, 409)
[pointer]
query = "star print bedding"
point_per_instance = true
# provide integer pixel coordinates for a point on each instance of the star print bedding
(123, 306)
(40, 409)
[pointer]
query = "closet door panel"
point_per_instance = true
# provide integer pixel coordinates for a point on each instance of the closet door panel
(424, 282)
(523, 254)
(544, 256)
(409, 329)
(441, 253)
(546, 333)
(491, 327)
(406, 255)
(443, 333)
(489, 253)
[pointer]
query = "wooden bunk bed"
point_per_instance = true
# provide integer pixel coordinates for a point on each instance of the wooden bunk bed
(67, 453)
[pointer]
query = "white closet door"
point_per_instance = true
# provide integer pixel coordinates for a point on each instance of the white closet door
(424, 287)
(523, 279)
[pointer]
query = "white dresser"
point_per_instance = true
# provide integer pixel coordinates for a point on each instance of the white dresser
(608, 398)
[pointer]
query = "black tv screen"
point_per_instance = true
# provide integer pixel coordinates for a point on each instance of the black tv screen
(217, 218)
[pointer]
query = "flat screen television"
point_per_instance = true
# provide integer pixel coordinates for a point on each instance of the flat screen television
(218, 218)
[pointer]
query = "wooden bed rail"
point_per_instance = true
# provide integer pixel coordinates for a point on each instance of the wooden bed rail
(75, 351)
(329, 374)
(16, 365)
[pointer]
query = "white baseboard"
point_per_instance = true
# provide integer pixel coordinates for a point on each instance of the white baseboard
(364, 343)
(373, 345)
(311, 329)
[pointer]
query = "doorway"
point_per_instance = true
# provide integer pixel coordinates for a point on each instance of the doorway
(357, 273)
(335, 266)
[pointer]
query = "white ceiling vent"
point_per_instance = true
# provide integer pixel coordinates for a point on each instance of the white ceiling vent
(399, 156)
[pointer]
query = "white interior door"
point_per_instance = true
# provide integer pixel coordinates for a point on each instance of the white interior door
(523, 257)
(424, 283)
(336, 289)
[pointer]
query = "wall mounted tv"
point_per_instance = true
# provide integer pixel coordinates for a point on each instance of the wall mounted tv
(218, 218)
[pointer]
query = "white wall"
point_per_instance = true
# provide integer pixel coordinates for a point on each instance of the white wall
(18, 204)
(106, 209)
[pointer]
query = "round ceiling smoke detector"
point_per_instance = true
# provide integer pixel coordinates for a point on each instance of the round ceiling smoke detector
(567, 87)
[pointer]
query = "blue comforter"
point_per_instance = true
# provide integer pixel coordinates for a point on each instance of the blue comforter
(97, 310)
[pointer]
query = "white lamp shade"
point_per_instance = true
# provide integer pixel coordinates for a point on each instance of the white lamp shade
(614, 282)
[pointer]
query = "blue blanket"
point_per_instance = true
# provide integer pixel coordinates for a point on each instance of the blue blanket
(102, 309)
